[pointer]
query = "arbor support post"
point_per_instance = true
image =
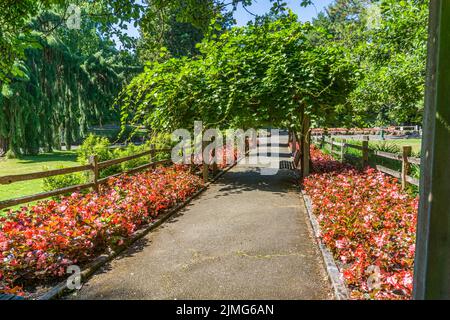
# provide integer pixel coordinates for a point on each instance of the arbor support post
(406, 166)
(305, 146)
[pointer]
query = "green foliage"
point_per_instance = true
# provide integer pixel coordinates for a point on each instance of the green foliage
(387, 146)
(160, 141)
(265, 73)
(157, 141)
(110, 17)
(94, 145)
(17, 33)
(10, 154)
(100, 146)
(56, 82)
(387, 39)
(65, 180)
(361, 63)
(69, 83)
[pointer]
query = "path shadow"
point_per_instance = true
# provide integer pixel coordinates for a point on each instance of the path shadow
(238, 182)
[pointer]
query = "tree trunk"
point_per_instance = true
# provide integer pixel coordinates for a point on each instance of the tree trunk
(3, 145)
(306, 136)
(304, 143)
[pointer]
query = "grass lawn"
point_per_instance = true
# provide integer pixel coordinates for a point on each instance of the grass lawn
(416, 144)
(28, 164)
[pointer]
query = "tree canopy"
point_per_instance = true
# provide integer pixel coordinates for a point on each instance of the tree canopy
(387, 40)
(266, 73)
(360, 63)
(56, 80)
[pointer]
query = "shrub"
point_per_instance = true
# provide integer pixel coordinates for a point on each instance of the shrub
(94, 145)
(65, 180)
(100, 146)
(387, 147)
(129, 151)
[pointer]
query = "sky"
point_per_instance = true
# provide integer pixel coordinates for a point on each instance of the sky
(260, 7)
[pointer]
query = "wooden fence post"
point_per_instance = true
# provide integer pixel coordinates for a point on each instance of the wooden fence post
(365, 152)
(305, 142)
(150, 157)
(294, 142)
(322, 141)
(405, 165)
(93, 161)
(343, 146)
(205, 166)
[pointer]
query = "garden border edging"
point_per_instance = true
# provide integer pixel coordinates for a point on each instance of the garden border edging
(61, 288)
(334, 275)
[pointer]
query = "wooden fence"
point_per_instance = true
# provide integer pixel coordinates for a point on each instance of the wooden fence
(94, 167)
(339, 149)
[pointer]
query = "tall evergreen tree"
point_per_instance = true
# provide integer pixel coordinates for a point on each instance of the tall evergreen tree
(70, 80)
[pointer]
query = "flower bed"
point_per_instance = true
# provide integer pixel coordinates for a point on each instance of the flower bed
(39, 242)
(369, 225)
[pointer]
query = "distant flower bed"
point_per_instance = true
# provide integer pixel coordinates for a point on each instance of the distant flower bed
(369, 225)
(39, 242)
(360, 131)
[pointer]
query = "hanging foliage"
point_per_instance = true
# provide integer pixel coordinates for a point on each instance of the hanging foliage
(267, 73)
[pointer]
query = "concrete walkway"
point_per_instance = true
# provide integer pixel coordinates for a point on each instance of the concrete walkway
(246, 237)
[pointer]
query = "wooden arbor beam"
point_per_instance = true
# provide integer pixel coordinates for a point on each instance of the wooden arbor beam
(432, 261)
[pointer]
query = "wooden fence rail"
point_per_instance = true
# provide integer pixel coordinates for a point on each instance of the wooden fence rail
(387, 155)
(94, 167)
(44, 174)
(405, 157)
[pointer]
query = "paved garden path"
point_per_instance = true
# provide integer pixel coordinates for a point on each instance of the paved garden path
(246, 237)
